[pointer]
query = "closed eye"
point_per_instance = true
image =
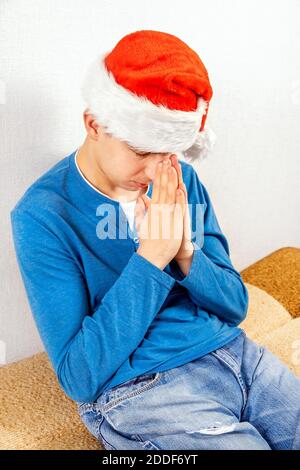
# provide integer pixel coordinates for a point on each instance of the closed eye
(143, 154)
(150, 153)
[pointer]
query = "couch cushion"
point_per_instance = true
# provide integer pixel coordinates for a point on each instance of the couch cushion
(264, 315)
(285, 343)
(35, 413)
(270, 324)
(279, 275)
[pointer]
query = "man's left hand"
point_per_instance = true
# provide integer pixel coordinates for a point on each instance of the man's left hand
(186, 250)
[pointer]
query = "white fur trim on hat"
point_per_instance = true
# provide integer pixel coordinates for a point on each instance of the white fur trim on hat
(134, 119)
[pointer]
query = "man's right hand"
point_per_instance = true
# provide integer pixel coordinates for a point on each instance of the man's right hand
(161, 229)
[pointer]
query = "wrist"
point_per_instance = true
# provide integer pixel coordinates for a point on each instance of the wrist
(159, 262)
(185, 254)
(184, 262)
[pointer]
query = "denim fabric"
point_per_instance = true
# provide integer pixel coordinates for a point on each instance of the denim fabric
(240, 396)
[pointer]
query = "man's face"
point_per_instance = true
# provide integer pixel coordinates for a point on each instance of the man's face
(126, 167)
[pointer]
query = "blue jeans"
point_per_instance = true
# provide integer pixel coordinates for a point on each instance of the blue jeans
(240, 396)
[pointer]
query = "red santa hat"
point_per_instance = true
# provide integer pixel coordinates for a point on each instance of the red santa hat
(152, 91)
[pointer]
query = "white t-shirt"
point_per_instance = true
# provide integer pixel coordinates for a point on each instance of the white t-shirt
(128, 207)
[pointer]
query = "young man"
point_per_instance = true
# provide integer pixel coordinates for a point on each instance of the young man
(142, 327)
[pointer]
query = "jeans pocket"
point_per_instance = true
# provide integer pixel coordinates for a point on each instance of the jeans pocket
(129, 389)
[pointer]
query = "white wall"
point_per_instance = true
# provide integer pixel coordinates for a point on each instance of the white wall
(251, 51)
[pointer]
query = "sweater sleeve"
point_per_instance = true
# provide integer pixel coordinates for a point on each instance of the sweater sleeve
(212, 282)
(85, 347)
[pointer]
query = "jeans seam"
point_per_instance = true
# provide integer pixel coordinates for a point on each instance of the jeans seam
(114, 402)
(235, 372)
(101, 435)
(261, 350)
(86, 407)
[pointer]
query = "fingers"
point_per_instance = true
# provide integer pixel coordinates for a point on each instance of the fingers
(187, 224)
(156, 184)
(172, 185)
(177, 166)
(183, 187)
(180, 197)
(168, 177)
(179, 211)
(164, 178)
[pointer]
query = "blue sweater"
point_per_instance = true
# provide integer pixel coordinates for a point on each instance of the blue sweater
(104, 313)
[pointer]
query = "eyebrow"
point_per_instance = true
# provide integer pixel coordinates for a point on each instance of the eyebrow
(147, 153)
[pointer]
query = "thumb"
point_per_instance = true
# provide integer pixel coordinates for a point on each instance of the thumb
(146, 200)
(182, 186)
(180, 200)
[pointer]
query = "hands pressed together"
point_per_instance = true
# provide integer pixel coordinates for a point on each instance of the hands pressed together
(163, 222)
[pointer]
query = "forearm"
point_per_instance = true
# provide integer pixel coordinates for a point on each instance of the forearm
(217, 289)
